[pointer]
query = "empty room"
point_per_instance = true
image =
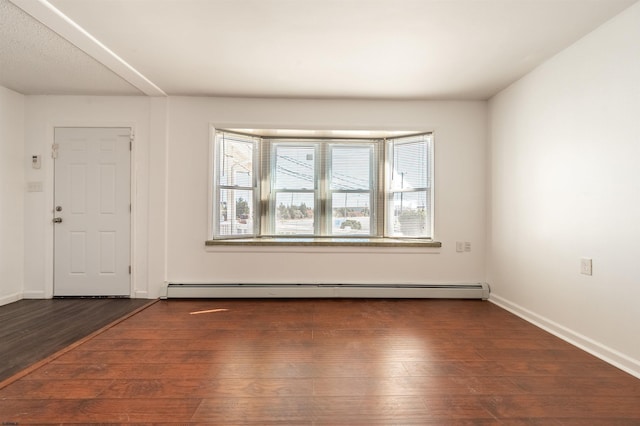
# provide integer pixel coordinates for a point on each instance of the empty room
(320, 212)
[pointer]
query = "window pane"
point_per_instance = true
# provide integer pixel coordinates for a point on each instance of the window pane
(235, 162)
(351, 214)
(350, 167)
(294, 213)
(410, 214)
(236, 212)
(294, 167)
(410, 165)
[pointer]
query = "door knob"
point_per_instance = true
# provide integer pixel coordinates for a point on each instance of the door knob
(57, 220)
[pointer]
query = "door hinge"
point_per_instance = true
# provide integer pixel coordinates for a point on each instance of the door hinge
(132, 137)
(54, 151)
(129, 269)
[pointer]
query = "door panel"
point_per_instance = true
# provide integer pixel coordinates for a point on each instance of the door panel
(92, 204)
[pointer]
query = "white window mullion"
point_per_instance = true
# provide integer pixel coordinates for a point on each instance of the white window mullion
(264, 183)
(322, 203)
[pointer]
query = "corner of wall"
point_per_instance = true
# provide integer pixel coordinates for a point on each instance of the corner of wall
(597, 349)
(12, 193)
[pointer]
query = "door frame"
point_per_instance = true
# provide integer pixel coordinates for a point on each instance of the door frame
(49, 210)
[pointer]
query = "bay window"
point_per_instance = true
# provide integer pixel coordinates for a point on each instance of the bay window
(322, 187)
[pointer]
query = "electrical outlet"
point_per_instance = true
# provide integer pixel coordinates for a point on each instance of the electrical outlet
(467, 246)
(586, 266)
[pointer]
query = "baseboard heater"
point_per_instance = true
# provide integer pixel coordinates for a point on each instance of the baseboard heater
(399, 291)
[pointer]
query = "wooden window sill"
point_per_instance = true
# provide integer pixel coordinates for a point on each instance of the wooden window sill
(324, 242)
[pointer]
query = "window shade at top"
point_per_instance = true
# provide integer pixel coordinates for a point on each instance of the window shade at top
(411, 163)
(235, 161)
(294, 167)
(350, 168)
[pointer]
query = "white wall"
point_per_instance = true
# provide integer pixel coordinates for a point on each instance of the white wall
(12, 195)
(43, 113)
(460, 145)
(565, 184)
(170, 166)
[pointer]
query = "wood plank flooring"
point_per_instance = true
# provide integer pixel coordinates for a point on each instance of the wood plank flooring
(321, 362)
(32, 330)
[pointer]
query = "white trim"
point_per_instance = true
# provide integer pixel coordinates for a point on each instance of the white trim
(597, 349)
(34, 295)
(138, 294)
(211, 186)
(47, 215)
(5, 300)
(57, 21)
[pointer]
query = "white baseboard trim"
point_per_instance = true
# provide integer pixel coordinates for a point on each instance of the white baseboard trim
(34, 295)
(5, 300)
(140, 294)
(597, 349)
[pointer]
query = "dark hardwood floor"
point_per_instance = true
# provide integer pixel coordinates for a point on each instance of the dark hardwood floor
(313, 362)
(32, 330)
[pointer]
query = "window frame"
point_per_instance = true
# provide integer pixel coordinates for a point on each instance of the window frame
(390, 191)
(264, 191)
(215, 205)
(269, 154)
(375, 156)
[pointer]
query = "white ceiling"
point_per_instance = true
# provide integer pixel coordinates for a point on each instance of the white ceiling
(385, 49)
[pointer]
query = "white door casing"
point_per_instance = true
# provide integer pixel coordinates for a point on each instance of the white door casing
(92, 211)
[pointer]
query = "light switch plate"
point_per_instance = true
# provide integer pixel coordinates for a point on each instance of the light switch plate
(34, 186)
(586, 266)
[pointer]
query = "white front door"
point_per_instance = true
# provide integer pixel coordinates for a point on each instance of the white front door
(92, 210)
